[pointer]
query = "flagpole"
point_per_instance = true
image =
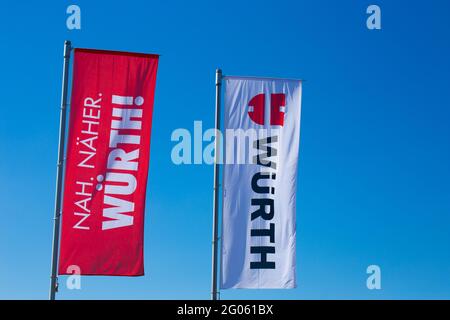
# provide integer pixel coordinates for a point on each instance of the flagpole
(217, 146)
(59, 171)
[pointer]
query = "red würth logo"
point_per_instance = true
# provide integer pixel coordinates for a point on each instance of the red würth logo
(256, 108)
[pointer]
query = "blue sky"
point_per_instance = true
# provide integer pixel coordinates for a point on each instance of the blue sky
(373, 181)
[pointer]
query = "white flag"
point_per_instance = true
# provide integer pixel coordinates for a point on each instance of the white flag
(262, 134)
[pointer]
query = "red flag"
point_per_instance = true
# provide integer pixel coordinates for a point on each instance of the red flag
(107, 163)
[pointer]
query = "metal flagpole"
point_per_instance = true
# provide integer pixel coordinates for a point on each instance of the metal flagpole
(59, 171)
(214, 292)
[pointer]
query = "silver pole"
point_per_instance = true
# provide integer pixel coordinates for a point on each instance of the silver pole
(59, 171)
(214, 292)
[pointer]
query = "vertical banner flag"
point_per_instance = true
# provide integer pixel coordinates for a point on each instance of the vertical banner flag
(262, 133)
(107, 163)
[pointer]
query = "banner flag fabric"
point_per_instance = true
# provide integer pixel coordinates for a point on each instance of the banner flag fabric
(262, 136)
(107, 163)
